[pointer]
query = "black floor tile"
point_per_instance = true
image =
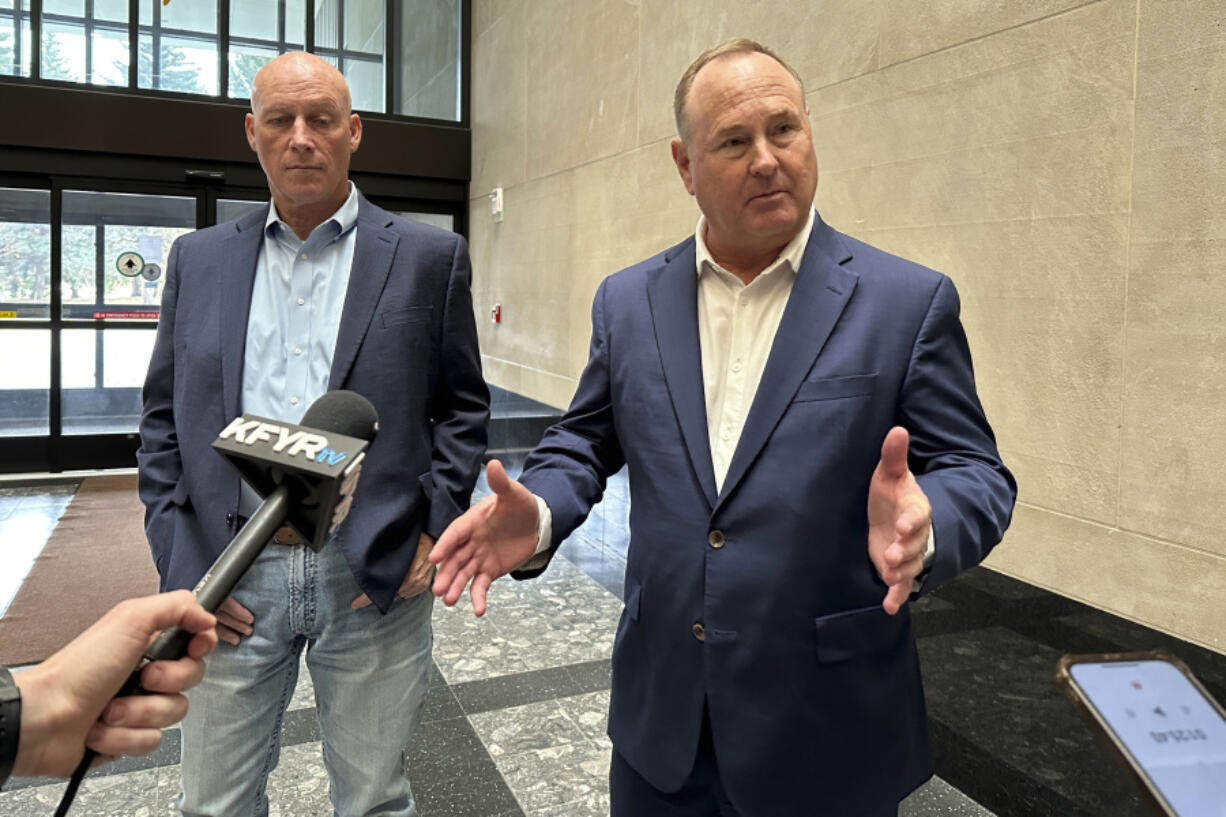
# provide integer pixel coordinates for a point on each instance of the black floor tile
(453, 775)
(530, 687)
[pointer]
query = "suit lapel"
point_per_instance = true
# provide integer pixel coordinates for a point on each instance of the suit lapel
(374, 249)
(819, 295)
(672, 293)
(236, 277)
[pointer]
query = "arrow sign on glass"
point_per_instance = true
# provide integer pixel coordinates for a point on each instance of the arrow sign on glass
(129, 264)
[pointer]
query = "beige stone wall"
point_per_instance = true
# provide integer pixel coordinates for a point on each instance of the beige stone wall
(1063, 161)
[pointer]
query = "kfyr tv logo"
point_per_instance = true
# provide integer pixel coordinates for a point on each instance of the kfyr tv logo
(293, 442)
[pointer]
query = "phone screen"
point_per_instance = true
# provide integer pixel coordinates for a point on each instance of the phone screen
(1174, 734)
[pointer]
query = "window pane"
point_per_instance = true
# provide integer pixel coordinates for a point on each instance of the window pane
(185, 65)
(25, 389)
(295, 21)
(196, 15)
(365, 84)
(327, 24)
(428, 43)
(110, 57)
(114, 249)
(364, 26)
(14, 60)
(25, 254)
(113, 10)
(75, 8)
(230, 209)
(63, 55)
(101, 374)
(256, 19)
(245, 61)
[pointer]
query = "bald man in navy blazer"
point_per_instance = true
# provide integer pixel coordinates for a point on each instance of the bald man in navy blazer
(805, 448)
(320, 290)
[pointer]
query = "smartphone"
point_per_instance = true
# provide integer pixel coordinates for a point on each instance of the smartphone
(1161, 722)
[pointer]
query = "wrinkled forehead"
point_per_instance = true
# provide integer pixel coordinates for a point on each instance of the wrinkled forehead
(302, 79)
(734, 82)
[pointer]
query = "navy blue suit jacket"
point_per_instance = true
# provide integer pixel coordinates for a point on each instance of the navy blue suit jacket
(407, 342)
(814, 692)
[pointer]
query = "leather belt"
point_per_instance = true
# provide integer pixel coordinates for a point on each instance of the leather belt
(286, 535)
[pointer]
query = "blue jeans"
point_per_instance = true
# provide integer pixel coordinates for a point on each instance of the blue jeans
(370, 674)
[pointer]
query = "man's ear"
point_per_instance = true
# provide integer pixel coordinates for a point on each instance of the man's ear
(355, 132)
(682, 159)
(249, 126)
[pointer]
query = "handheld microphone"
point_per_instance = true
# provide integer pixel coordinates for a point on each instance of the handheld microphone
(306, 475)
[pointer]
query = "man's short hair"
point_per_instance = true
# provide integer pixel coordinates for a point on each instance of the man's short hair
(740, 45)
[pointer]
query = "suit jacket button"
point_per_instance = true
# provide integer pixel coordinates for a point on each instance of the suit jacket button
(699, 632)
(715, 539)
(229, 520)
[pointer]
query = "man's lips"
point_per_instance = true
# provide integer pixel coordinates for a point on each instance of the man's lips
(768, 196)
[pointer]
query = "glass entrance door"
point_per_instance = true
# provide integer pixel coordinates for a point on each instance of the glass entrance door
(82, 269)
(81, 277)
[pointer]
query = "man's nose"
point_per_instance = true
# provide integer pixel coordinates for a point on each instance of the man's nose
(300, 135)
(762, 161)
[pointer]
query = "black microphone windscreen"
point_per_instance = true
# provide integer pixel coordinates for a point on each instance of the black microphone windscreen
(343, 412)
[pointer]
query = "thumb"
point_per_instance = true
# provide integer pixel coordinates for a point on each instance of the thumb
(894, 452)
(499, 482)
(179, 608)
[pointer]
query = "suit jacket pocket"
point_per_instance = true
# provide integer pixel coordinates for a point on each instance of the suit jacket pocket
(180, 496)
(408, 314)
(835, 388)
(855, 633)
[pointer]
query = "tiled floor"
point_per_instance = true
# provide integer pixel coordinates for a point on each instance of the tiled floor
(515, 718)
(514, 722)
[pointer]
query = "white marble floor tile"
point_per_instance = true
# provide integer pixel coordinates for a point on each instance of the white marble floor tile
(136, 794)
(561, 618)
(552, 754)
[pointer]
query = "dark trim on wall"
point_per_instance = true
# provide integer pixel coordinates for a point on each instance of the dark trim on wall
(59, 117)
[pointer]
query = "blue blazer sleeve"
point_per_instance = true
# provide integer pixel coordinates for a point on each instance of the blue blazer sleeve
(953, 450)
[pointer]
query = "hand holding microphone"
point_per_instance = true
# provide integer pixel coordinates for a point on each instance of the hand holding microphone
(306, 475)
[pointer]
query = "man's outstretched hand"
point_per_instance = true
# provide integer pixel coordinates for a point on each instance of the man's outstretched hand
(489, 540)
(899, 519)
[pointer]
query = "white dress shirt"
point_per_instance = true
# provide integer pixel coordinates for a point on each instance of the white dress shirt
(295, 314)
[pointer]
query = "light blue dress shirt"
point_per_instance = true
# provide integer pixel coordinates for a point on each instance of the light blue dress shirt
(296, 306)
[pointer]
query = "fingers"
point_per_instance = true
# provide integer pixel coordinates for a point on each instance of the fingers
(203, 642)
(896, 597)
(172, 676)
(227, 635)
(110, 741)
(235, 618)
(461, 580)
(894, 452)
(236, 611)
(480, 585)
(459, 532)
(360, 602)
(144, 711)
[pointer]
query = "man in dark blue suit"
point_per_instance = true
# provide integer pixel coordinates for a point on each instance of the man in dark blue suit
(321, 290)
(805, 447)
